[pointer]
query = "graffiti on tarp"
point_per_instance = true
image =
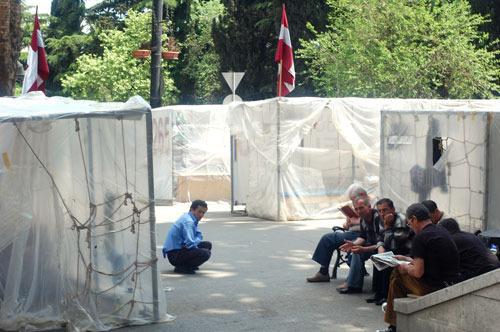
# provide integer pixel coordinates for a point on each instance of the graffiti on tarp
(161, 135)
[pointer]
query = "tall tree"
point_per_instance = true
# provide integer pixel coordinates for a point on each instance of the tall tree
(247, 35)
(406, 49)
(110, 14)
(490, 9)
(198, 73)
(10, 44)
(116, 75)
(65, 40)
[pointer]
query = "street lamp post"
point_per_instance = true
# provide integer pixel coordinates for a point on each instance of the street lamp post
(156, 91)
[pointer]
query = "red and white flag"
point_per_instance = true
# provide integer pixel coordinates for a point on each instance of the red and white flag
(284, 55)
(37, 70)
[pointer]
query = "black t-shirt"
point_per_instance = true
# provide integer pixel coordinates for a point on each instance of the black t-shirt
(475, 258)
(440, 254)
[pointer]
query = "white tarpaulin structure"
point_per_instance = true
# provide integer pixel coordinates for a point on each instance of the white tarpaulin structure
(305, 152)
(449, 155)
(77, 246)
(200, 150)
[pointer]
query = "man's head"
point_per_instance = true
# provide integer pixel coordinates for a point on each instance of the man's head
(417, 216)
(362, 207)
(198, 208)
(450, 224)
(385, 207)
(355, 190)
(434, 213)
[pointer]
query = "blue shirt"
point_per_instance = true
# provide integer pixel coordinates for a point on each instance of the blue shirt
(184, 231)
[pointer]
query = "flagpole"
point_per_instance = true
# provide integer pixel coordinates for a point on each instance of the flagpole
(278, 133)
(281, 78)
(278, 156)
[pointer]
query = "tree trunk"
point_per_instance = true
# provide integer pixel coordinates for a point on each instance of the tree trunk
(10, 44)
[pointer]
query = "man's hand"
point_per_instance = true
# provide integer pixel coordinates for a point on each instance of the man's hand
(401, 258)
(403, 268)
(347, 246)
(358, 249)
(381, 250)
(388, 220)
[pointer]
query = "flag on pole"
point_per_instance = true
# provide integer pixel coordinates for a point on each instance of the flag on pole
(284, 55)
(37, 70)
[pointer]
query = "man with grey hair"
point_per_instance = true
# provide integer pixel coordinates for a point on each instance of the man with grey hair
(364, 246)
(333, 240)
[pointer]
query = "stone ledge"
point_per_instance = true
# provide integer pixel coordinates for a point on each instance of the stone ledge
(474, 285)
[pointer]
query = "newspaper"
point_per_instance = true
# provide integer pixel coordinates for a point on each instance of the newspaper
(385, 260)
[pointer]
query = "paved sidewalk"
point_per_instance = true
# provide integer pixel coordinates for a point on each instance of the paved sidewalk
(255, 280)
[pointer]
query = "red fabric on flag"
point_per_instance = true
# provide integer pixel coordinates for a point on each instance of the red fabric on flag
(284, 55)
(37, 70)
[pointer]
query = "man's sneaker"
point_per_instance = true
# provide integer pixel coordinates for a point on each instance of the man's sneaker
(390, 328)
(184, 270)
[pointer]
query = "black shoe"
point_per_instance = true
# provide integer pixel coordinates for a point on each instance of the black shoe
(351, 290)
(184, 270)
(373, 299)
(390, 328)
(196, 268)
(380, 301)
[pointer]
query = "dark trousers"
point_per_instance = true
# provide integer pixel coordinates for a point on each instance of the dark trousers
(380, 282)
(190, 258)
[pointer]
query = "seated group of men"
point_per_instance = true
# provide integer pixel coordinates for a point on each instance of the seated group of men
(438, 252)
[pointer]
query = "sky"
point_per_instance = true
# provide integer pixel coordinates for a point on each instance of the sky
(44, 5)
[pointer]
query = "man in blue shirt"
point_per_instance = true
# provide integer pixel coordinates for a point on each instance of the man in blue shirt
(183, 246)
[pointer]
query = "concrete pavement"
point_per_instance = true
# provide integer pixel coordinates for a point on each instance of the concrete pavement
(255, 279)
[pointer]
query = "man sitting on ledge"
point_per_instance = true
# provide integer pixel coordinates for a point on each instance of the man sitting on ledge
(435, 263)
(475, 258)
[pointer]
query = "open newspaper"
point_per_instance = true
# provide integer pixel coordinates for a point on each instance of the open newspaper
(385, 260)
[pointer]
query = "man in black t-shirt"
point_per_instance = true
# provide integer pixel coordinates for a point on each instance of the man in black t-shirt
(475, 258)
(434, 265)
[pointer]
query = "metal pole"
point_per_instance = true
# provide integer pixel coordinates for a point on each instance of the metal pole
(155, 91)
(234, 86)
(152, 217)
(278, 167)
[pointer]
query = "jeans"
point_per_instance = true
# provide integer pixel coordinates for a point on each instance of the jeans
(192, 257)
(357, 269)
(329, 243)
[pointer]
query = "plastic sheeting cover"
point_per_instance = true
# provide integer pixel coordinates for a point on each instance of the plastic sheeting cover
(305, 152)
(77, 241)
(200, 151)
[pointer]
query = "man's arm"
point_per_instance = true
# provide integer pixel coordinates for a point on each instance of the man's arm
(349, 222)
(416, 269)
(348, 245)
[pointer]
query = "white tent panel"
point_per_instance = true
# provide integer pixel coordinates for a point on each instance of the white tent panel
(77, 246)
(447, 155)
(162, 156)
(201, 152)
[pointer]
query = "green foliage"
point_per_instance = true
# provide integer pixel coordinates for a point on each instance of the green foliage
(405, 49)
(200, 63)
(61, 56)
(246, 38)
(490, 9)
(116, 75)
(111, 14)
(66, 17)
